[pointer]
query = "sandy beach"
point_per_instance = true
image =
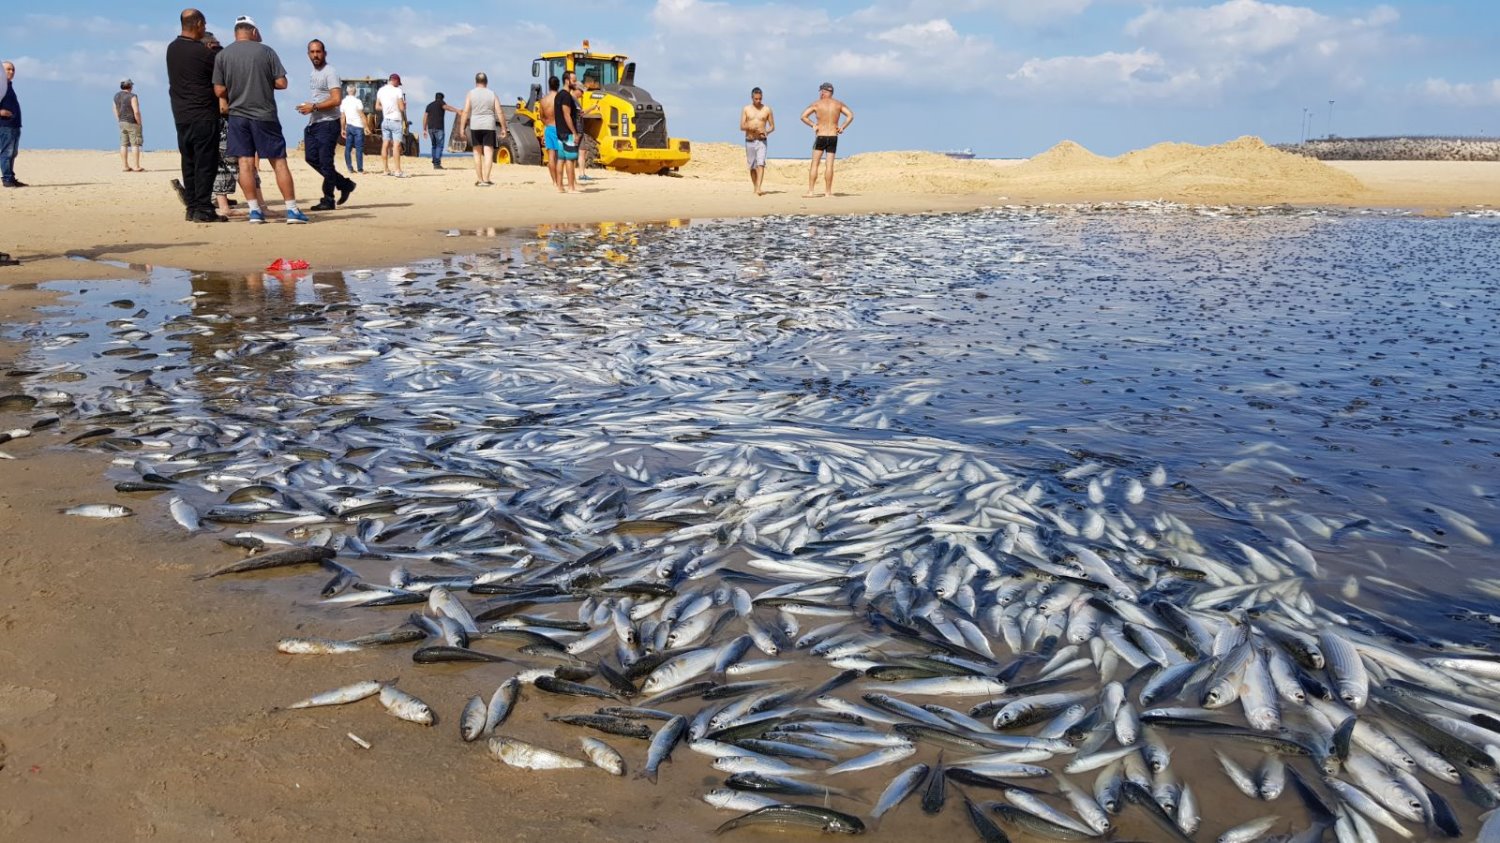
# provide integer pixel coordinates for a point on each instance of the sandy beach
(136, 704)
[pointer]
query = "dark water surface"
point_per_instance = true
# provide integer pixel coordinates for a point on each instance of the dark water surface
(1329, 378)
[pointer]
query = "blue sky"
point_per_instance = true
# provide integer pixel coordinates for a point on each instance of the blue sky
(1005, 77)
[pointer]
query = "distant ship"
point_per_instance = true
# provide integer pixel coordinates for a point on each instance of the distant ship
(961, 154)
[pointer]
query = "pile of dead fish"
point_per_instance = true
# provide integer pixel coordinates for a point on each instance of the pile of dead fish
(627, 486)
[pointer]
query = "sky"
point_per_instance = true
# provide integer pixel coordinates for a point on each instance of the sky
(1005, 78)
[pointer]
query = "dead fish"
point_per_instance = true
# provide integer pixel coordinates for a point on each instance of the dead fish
(342, 696)
(99, 510)
(274, 559)
(406, 707)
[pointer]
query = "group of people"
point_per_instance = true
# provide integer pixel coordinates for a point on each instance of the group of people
(828, 118)
(224, 107)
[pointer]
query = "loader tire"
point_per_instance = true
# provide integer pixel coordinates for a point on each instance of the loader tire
(522, 144)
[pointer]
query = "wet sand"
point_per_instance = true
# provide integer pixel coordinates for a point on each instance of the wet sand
(136, 704)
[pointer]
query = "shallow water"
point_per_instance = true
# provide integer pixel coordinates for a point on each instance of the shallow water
(1328, 377)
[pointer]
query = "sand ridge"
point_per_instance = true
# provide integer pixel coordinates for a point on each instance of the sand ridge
(1242, 171)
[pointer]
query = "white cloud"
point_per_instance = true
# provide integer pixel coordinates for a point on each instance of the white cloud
(1201, 55)
(1240, 28)
(934, 33)
(1107, 77)
(1461, 94)
(1028, 13)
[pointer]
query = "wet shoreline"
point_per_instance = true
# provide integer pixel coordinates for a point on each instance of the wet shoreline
(843, 374)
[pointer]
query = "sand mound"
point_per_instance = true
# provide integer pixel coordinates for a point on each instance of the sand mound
(1066, 156)
(1243, 171)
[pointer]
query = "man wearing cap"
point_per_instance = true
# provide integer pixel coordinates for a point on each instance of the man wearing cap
(195, 112)
(321, 136)
(248, 74)
(391, 101)
(826, 113)
(128, 115)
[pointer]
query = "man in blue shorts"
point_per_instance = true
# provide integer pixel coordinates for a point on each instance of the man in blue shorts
(569, 134)
(248, 74)
(549, 131)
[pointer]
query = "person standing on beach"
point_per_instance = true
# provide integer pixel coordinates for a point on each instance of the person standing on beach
(321, 136)
(352, 130)
(195, 111)
(227, 175)
(5, 258)
(757, 122)
(128, 115)
(569, 134)
(482, 114)
(391, 101)
(549, 131)
(827, 113)
(10, 128)
(432, 127)
(248, 74)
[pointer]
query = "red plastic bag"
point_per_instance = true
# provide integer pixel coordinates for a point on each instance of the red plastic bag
(284, 264)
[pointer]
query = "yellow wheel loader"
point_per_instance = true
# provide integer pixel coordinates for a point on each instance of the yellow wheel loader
(624, 128)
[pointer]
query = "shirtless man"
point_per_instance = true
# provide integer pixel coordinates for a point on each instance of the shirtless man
(549, 132)
(757, 122)
(826, 131)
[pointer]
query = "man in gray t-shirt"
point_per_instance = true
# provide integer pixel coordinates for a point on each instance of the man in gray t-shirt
(322, 133)
(248, 74)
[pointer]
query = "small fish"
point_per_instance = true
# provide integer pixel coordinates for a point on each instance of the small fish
(472, 722)
(825, 820)
(406, 707)
(527, 756)
(99, 510)
(603, 755)
(275, 559)
(662, 743)
(315, 646)
(903, 785)
(342, 696)
(500, 704)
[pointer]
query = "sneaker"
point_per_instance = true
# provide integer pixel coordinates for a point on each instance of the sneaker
(295, 217)
(400, 175)
(325, 205)
(207, 216)
(257, 217)
(344, 194)
(15, 183)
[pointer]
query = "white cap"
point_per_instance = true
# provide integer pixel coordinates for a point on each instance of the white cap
(244, 19)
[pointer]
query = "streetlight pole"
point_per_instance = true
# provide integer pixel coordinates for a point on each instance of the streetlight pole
(1330, 119)
(1302, 127)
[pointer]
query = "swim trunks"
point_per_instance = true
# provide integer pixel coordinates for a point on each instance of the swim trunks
(549, 139)
(755, 153)
(826, 143)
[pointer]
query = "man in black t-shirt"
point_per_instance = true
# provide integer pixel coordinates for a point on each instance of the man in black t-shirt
(569, 133)
(432, 127)
(195, 110)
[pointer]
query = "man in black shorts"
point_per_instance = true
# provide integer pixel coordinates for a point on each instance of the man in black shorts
(826, 114)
